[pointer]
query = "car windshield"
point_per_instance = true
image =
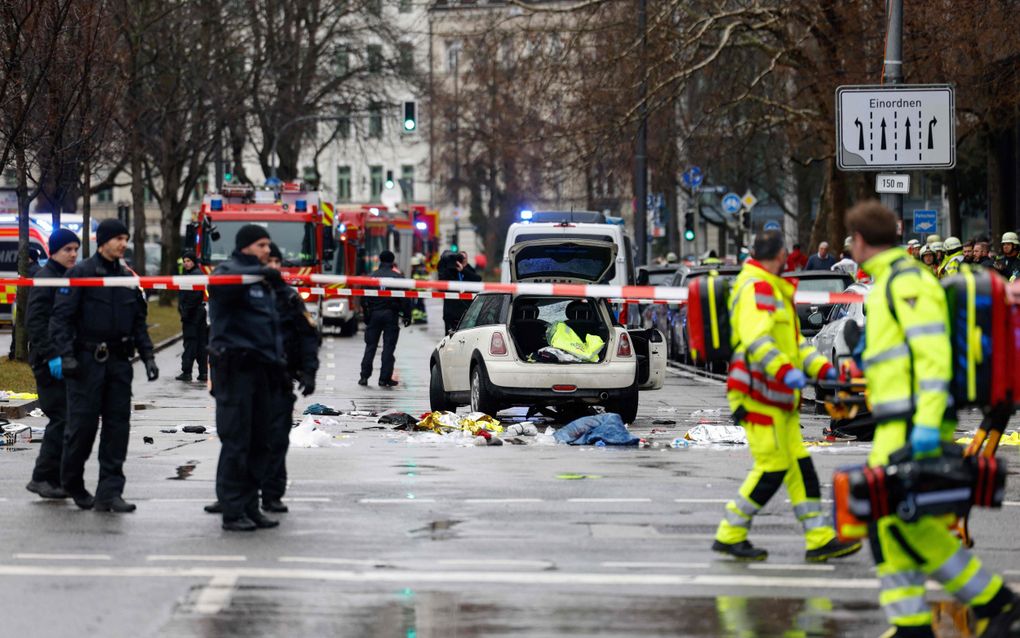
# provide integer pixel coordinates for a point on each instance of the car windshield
(572, 261)
(295, 239)
(822, 285)
(661, 278)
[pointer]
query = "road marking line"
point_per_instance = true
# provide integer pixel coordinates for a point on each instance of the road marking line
(330, 377)
(308, 499)
(609, 500)
(210, 499)
(330, 365)
(807, 568)
(394, 501)
(504, 500)
(215, 597)
(500, 562)
(196, 557)
(701, 500)
(332, 561)
(639, 565)
(62, 556)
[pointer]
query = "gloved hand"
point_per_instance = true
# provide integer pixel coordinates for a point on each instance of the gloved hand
(56, 368)
(272, 275)
(151, 371)
(69, 367)
(406, 321)
(832, 374)
(795, 379)
(306, 382)
(925, 440)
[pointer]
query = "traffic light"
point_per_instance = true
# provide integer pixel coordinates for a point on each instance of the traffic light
(689, 226)
(410, 117)
(389, 180)
(745, 219)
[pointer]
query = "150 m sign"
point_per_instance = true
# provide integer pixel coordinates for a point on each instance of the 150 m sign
(895, 127)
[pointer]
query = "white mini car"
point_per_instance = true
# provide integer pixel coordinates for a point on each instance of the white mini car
(831, 339)
(499, 355)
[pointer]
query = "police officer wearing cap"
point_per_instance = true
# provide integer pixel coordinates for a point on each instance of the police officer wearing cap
(194, 328)
(301, 349)
(247, 365)
(95, 332)
(45, 362)
(381, 315)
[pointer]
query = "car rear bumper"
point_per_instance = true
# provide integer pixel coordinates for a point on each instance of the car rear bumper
(336, 310)
(519, 377)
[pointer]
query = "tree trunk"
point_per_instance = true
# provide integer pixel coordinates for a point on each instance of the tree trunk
(805, 200)
(86, 208)
(170, 224)
(837, 212)
(138, 202)
(995, 200)
(953, 195)
(20, 333)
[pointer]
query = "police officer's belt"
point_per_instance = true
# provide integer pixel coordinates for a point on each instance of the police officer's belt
(103, 350)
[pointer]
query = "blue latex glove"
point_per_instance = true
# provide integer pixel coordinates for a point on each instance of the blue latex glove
(924, 439)
(795, 379)
(832, 375)
(56, 368)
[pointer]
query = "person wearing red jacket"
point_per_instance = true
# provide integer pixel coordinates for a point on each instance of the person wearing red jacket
(796, 260)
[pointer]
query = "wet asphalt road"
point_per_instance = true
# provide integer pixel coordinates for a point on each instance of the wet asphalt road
(390, 536)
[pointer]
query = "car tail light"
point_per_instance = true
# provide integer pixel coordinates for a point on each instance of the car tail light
(564, 388)
(623, 350)
(497, 345)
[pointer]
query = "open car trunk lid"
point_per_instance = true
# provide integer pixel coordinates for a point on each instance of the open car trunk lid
(578, 261)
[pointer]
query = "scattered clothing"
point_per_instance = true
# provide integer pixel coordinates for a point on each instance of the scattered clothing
(590, 430)
(318, 409)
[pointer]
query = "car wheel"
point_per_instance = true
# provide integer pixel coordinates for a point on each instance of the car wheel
(349, 328)
(626, 406)
(481, 397)
(438, 399)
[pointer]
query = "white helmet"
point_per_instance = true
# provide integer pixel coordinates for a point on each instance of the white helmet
(933, 239)
(913, 243)
(937, 247)
(1010, 238)
(671, 258)
(952, 244)
(925, 250)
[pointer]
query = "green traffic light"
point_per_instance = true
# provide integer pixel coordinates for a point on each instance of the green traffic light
(689, 235)
(409, 124)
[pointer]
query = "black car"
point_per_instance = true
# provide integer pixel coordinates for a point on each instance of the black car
(817, 281)
(671, 318)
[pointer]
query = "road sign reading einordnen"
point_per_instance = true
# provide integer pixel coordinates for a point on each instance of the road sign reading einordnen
(895, 127)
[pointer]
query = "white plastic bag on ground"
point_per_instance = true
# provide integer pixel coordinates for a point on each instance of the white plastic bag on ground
(306, 435)
(732, 434)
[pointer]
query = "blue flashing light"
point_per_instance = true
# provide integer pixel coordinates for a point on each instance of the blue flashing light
(526, 215)
(342, 228)
(216, 204)
(421, 226)
(301, 206)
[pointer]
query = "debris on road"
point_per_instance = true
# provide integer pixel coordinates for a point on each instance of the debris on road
(717, 434)
(577, 477)
(148, 440)
(663, 422)
(37, 413)
(1011, 438)
(526, 428)
(402, 420)
(606, 428)
(194, 429)
(169, 430)
(473, 422)
(15, 433)
(307, 435)
(318, 409)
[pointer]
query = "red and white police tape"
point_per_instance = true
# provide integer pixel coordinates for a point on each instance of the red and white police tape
(465, 289)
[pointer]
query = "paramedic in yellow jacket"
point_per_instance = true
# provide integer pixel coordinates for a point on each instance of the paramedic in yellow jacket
(771, 363)
(908, 366)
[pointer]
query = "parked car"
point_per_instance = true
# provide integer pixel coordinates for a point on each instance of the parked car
(657, 275)
(817, 281)
(671, 319)
(492, 361)
(831, 339)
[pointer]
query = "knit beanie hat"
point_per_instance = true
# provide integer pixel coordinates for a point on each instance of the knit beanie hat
(108, 229)
(274, 252)
(249, 234)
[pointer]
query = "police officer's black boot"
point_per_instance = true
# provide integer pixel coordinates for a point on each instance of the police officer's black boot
(274, 505)
(214, 508)
(84, 500)
(261, 521)
(184, 376)
(242, 524)
(46, 490)
(116, 505)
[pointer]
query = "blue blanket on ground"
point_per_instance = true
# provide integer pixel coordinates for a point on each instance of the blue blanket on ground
(589, 430)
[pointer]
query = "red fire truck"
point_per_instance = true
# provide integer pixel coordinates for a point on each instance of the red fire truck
(292, 215)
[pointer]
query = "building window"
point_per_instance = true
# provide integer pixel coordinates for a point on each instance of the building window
(404, 6)
(310, 176)
(452, 55)
(405, 59)
(343, 125)
(375, 121)
(376, 185)
(375, 58)
(374, 7)
(343, 183)
(343, 62)
(407, 182)
(150, 197)
(104, 196)
(11, 177)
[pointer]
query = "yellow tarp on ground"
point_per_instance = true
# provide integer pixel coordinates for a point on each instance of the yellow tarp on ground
(20, 396)
(443, 422)
(1013, 438)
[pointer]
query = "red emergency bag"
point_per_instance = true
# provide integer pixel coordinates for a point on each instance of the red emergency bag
(985, 336)
(708, 319)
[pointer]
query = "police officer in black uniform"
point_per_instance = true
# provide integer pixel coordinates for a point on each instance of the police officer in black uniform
(96, 331)
(381, 315)
(194, 329)
(46, 365)
(247, 365)
(301, 348)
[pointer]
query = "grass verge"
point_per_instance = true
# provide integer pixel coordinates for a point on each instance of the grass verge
(15, 376)
(164, 322)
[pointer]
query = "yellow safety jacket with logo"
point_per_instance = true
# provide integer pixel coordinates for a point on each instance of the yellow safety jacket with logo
(768, 344)
(951, 264)
(907, 363)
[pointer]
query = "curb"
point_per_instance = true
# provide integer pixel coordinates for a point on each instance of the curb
(162, 345)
